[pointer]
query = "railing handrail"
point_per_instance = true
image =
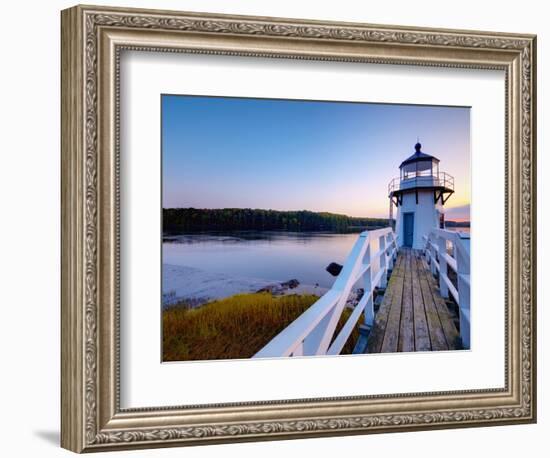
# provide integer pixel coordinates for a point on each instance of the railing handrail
(312, 333)
(440, 178)
(439, 260)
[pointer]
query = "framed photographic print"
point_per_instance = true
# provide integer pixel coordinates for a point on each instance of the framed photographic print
(278, 228)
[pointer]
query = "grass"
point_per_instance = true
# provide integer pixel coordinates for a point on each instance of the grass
(234, 327)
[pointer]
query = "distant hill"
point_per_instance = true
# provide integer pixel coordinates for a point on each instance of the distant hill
(178, 220)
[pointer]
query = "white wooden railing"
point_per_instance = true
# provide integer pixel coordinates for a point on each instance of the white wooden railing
(312, 333)
(448, 249)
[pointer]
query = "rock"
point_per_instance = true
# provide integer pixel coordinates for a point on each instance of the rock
(290, 284)
(269, 289)
(334, 269)
(279, 288)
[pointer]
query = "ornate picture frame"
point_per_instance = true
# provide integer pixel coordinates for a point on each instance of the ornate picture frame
(92, 41)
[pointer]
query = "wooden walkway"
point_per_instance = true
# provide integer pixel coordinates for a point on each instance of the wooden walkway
(413, 316)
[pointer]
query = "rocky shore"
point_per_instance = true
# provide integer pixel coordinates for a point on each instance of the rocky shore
(197, 287)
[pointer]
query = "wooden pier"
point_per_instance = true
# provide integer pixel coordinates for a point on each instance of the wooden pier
(413, 316)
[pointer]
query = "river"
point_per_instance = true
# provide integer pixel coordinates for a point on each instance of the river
(216, 265)
(266, 255)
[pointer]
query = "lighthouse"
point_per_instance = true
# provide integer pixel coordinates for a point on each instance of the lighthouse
(419, 194)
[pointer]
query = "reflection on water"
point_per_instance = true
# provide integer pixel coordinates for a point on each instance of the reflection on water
(466, 230)
(268, 255)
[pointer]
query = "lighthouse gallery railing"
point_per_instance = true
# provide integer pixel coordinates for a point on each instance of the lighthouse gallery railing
(422, 180)
(312, 333)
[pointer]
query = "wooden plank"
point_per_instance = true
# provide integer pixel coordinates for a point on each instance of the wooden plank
(376, 337)
(406, 332)
(451, 333)
(413, 315)
(391, 336)
(421, 333)
(437, 336)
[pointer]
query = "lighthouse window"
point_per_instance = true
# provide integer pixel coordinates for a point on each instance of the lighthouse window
(418, 168)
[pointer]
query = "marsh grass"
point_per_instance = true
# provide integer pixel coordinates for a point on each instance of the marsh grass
(234, 327)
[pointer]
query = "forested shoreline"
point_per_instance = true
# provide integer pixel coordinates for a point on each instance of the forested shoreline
(178, 220)
(457, 223)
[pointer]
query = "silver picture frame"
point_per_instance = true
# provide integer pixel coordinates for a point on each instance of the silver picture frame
(92, 41)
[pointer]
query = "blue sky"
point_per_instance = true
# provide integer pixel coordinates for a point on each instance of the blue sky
(292, 155)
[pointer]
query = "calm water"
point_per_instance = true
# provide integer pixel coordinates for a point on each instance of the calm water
(459, 229)
(267, 255)
(278, 256)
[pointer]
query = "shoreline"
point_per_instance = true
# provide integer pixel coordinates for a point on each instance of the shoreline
(184, 283)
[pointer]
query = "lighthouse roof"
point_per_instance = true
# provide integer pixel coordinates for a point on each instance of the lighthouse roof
(418, 156)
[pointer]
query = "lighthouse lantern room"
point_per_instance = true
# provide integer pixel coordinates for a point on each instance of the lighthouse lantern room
(419, 194)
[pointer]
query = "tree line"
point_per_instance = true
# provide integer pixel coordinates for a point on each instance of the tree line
(177, 220)
(457, 223)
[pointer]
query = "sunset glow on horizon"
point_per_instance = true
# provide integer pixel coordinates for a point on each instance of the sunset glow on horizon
(338, 157)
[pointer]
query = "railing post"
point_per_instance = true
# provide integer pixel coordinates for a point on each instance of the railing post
(316, 340)
(388, 250)
(299, 350)
(442, 248)
(393, 239)
(433, 254)
(425, 251)
(383, 261)
(368, 287)
(463, 278)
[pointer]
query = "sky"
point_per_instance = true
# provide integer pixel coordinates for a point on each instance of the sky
(221, 152)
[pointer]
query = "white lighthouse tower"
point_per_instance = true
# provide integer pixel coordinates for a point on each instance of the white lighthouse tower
(419, 194)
